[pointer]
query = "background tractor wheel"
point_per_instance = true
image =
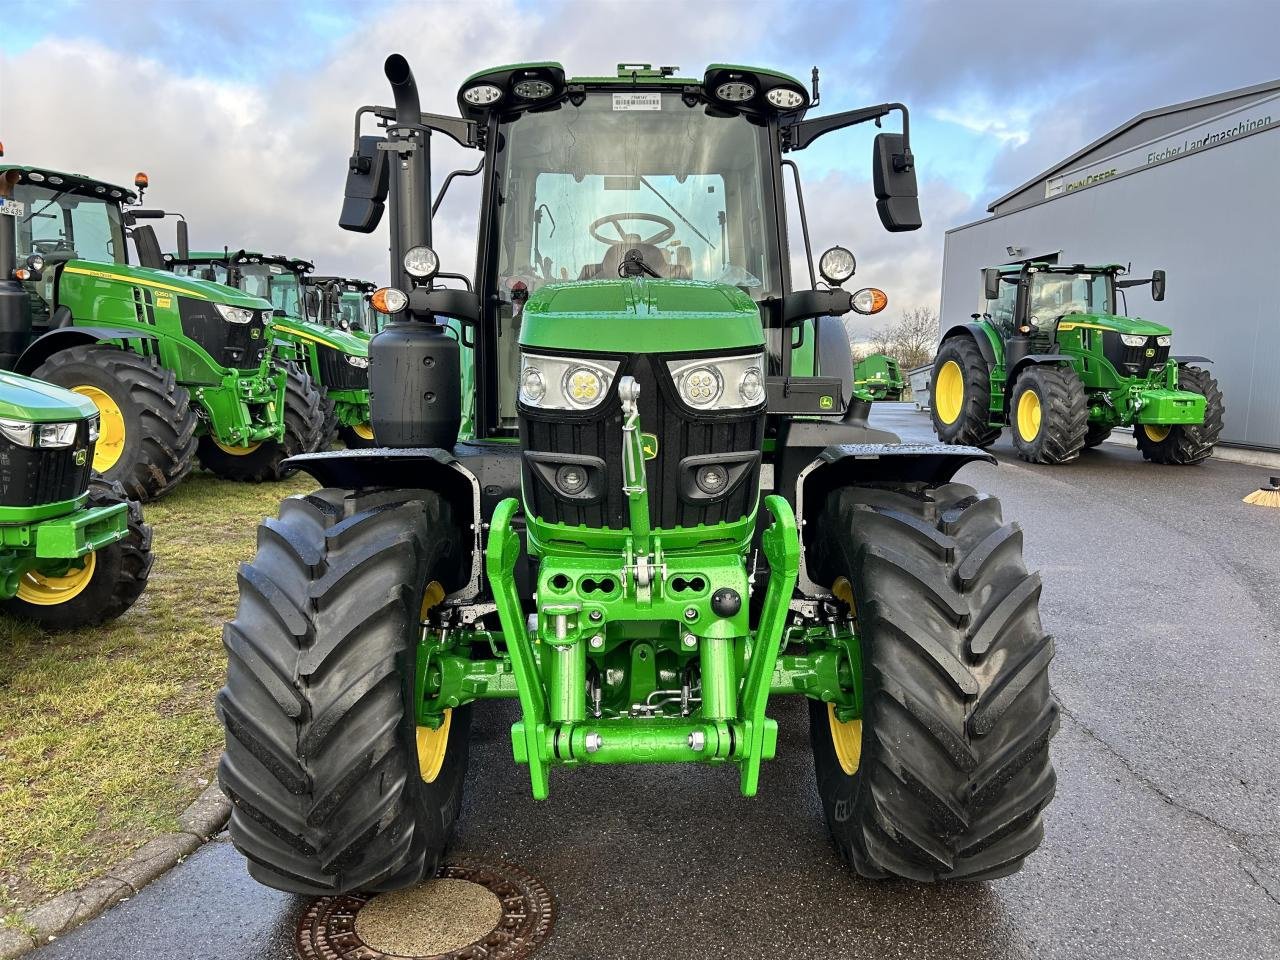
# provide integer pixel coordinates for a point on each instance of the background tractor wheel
(1189, 442)
(325, 767)
(357, 438)
(1096, 434)
(147, 438)
(264, 461)
(961, 394)
(947, 772)
(1049, 414)
(107, 584)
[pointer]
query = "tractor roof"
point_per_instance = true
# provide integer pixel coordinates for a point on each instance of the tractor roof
(364, 286)
(295, 264)
(1045, 267)
(73, 182)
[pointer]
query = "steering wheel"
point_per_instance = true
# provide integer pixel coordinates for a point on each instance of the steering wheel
(666, 233)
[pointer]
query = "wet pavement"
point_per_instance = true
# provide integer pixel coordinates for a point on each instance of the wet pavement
(1163, 592)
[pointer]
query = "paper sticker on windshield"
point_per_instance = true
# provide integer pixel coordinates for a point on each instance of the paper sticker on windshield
(637, 101)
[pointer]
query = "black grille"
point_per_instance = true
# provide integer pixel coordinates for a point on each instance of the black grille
(1133, 361)
(337, 374)
(681, 434)
(239, 346)
(31, 476)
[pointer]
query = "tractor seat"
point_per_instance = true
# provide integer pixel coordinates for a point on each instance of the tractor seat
(607, 269)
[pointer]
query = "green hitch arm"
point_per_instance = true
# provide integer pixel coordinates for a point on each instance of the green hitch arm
(781, 542)
(634, 483)
(500, 565)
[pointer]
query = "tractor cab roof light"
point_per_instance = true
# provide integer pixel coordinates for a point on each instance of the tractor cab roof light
(482, 94)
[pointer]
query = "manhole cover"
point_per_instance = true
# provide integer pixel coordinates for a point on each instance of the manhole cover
(470, 911)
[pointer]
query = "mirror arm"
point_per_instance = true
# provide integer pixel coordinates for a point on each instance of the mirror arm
(804, 221)
(799, 135)
(444, 187)
(1125, 284)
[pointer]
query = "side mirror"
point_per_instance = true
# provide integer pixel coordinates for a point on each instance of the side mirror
(313, 302)
(184, 247)
(368, 173)
(991, 283)
(1157, 285)
(894, 177)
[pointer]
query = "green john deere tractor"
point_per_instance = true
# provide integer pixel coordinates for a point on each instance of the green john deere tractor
(335, 360)
(343, 303)
(668, 514)
(1055, 359)
(880, 376)
(178, 368)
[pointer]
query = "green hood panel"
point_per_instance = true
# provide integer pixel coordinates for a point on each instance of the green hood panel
(1104, 321)
(22, 398)
(640, 316)
(165, 282)
(340, 340)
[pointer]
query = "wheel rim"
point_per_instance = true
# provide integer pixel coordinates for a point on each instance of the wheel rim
(109, 447)
(1156, 431)
(363, 430)
(1029, 415)
(846, 738)
(433, 743)
(237, 451)
(948, 392)
(43, 591)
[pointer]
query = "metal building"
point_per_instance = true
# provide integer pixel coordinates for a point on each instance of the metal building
(1193, 188)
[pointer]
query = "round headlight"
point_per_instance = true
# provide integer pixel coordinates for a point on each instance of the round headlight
(572, 478)
(533, 89)
(751, 387)
(421, 262)
(837, 265)
(482, 94)
(35, 262)
(784, 98)
(583, 386)
(389, 300)
(735, 91)
(869, 300)
(532, 387)
(701, 386)
(712, 479)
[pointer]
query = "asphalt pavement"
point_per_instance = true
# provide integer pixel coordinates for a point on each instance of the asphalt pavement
(1163, 592)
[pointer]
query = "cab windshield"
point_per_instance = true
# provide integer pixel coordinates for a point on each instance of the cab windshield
(64, 225)
(1054, 295)
(353, 309)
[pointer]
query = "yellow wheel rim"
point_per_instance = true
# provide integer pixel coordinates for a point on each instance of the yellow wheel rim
(45, 591)
(846, 737)
(1156, 431)
(363, 430)
(432, 743)
(237, 451)
(110, 445)
(1029, 415)
(948, 392)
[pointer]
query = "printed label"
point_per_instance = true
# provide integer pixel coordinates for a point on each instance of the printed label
(637, 101)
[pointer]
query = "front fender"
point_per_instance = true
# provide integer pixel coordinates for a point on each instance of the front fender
(992, 350)
(55, 341)
(1035, 359)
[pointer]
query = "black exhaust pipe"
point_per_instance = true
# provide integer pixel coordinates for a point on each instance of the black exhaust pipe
(411, 178)
(400, 76)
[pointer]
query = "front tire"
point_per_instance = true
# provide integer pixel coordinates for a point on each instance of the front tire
(960, 394)
(1096, 434)
(264, 462)
(321, 764)
(1186, 443)
(147, 435)
(1049, 414)
(957, 715)
(109, 582)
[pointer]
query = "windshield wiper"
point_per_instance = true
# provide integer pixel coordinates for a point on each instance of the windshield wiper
(37, 213)
(672, 208)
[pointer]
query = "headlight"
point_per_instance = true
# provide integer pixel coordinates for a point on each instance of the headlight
(482, 94)
(19, 431)
(564, 383)
(234, 314)
(735, 91)
(837, 265)
(1132, 340)
(95, 427)
(57, 434)
(785, 98)
(28, 434)
(533, 89)
(1164, 341)
(720, 383)
(361, 362)
(421, 262)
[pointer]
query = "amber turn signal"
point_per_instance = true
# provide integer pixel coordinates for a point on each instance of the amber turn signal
(870, 300)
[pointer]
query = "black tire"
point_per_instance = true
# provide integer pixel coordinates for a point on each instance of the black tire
(1062, 422)
(970, 425)
(329, 421)
(158, 419)
(303, 422)
(353, 440)
(957, 709)
(120, 573)
(321, 762)
(1096, 434)
(1193, 442)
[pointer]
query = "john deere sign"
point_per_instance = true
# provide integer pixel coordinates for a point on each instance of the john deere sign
(1209, 133)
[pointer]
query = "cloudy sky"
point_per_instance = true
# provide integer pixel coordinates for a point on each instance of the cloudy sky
(241, 111)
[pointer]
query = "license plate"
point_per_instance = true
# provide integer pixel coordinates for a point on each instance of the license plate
(12, 208)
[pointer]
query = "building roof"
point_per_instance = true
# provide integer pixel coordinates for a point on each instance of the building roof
(1258, 88)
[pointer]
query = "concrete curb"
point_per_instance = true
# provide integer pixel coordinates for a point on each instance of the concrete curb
(60, 915)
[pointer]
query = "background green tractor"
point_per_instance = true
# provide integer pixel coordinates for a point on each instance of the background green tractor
(1057, 360)
(668, 512)
(177, 367)
(343, 303)
(880, 376)
(335, 360)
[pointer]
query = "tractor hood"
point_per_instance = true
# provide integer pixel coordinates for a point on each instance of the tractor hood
(35, 401)
(1107, 321)
(165, 282)
(340, 340)
(640, 315)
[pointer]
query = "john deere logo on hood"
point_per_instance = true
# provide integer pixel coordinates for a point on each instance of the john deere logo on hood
(649, 445)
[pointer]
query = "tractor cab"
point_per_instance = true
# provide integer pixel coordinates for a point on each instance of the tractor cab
(341, 303)
(271, 277)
